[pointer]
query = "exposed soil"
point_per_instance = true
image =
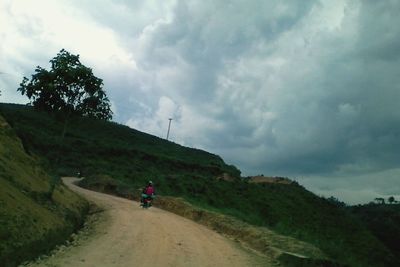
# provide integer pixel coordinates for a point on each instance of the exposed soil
(269, 180)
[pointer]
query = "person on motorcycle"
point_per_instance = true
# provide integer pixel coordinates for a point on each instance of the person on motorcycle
(147, 193)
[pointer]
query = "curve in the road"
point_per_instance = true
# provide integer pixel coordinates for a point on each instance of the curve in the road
(131, 236)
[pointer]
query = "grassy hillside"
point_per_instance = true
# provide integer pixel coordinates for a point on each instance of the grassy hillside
(383, 221)
(119, 160)
(105, 147)
(32, 220)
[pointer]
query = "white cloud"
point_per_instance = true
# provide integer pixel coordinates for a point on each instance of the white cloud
(34, 32)
(156, 123)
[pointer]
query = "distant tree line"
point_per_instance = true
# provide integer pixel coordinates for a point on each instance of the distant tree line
(335, 201)
(378, 200)
(381, 200)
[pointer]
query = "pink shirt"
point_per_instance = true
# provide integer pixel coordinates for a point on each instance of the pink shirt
(149, 190)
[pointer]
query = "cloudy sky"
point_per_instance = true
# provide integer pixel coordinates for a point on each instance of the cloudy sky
(305, 89)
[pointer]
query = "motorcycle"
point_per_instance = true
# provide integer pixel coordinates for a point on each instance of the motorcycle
(147, 201)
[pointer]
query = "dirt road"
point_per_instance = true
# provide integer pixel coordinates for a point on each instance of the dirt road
(130, 236)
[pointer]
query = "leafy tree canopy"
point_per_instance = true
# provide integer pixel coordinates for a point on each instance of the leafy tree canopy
(68, 87)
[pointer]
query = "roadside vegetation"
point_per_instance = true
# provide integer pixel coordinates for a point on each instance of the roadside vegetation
(120, 160)
(36, 212)
(383, 220)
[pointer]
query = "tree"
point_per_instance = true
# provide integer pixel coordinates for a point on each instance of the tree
(68, 88)
(380, 200)
(335, 201)
(391, 199)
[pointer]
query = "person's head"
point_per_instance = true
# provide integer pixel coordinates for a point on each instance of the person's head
(150, 183)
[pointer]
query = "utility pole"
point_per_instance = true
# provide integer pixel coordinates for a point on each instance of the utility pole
(169, 127)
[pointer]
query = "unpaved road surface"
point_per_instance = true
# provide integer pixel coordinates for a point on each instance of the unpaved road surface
(127, 235)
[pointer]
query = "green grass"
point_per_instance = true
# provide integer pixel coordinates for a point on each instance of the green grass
(105, 147)
(383, 221)
(120, 160)
(32, 218)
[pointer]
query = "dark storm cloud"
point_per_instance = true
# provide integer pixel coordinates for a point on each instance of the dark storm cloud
(294, 88)
(206, 35)
(343, 116)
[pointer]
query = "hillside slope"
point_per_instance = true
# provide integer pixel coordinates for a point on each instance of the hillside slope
(31, 219)
(119, 160)
(383, 221)
(100, 145)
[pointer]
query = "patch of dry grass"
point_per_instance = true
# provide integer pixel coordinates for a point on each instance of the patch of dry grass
(261, 239)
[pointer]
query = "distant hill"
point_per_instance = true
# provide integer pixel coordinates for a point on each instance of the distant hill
(33, 217)
(119, 160)
(383, 221)
(93, 146)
